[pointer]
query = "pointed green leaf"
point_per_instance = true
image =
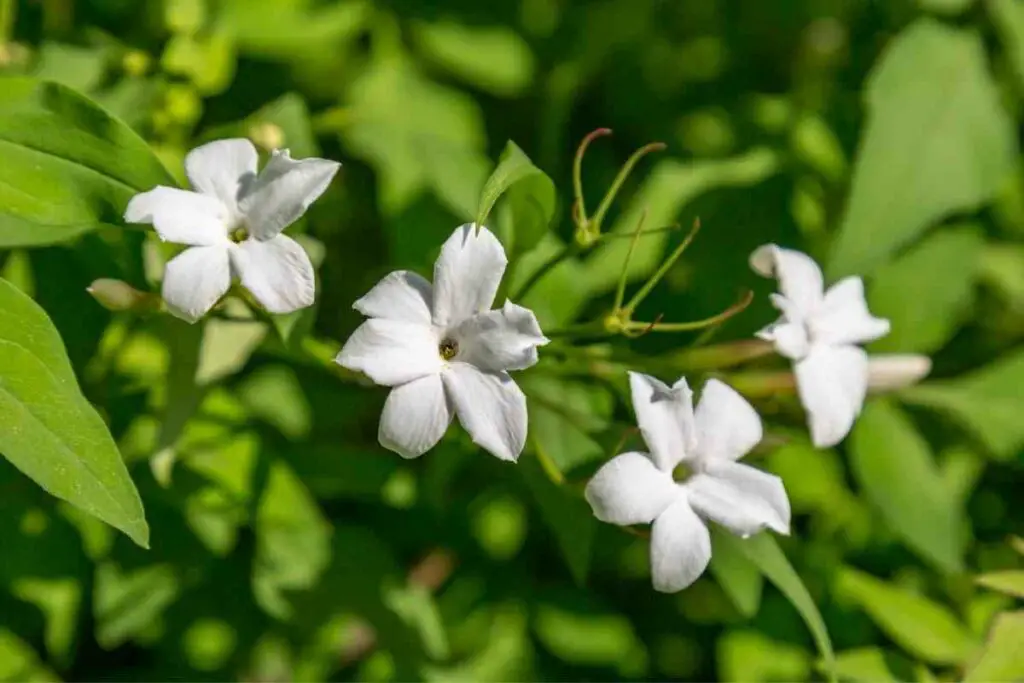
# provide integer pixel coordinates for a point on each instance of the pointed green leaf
(764, 552)
(68, 166)
(938, 141)
(1003, 658)
(863, 664)
(739, 577)
(49, 431)
(924, 628)
(897, 472)
(986, 401)
(529, 199)
(1009, 581)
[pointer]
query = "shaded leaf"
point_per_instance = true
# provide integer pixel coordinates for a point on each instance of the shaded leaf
(938, 140)
(740, 578)
(493, 58)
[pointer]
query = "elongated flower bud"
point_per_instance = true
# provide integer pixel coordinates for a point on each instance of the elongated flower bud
(895, 371)
(115, 295)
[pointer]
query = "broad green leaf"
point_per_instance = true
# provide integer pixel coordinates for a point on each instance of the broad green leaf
(1002, 267)
(925, 318)
(583, 634)
(76, 67)
(60, 601)
(865, 664)
(763, 551)
(19, 662)
(1009, 581)
(739, 577)
(896, 470)
(1008, 17)
(925, 629)
(938, 141)
(293, 541)
(565, 417)
(986, 401)
(273, 394)
(126, 603)
(49, 431)
(667, 190)
(1002, 659)
(275, 29)
(529, 196)
(752, 656)
(68, 168)
(493, 58)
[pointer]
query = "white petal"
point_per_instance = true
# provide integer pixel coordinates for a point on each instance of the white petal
(223, 169)
(505, 339)
(490, 406)
(665, 417)
(790, 338)
(727, 426)
(283, 192)
(887, 372)
(843, 317)
(800, 279)
(832, 381)
(401, 295)
(416, 416)
(195, 280)
(467, 274)
(629, 489)
(278, 272)
(741, 498)
(181, 216)
(391, 352)
(680, 548)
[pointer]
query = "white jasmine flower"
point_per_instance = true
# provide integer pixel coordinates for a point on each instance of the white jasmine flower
(638, 488)
(445, 352)
(887, 372)
(232, 224)
(820, 332)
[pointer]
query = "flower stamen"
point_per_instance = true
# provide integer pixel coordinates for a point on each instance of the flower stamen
(239, 235)
(448, 348)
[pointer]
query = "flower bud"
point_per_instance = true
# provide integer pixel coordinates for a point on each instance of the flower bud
(895, 371)
(115, 295)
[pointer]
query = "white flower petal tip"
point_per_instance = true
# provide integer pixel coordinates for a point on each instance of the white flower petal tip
(277, 272)
(895, 371)
(630, 489)
(762, 260)
(445, 335)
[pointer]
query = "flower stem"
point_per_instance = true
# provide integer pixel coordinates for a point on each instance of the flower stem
(636, 326)
(620, 290)
(580, 209)
(665, 267)
(624, 172)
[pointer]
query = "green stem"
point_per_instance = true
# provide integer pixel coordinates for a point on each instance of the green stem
(763, 384)
(636, 326)
(620, 289)
(620, 179)
(721, 356)
(592, 328)
(536, 276)
(665, 267)
(577, 173)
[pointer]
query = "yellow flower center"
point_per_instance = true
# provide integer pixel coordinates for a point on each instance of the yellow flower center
(448, 348)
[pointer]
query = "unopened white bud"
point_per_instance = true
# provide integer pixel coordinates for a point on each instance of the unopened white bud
(894, 371)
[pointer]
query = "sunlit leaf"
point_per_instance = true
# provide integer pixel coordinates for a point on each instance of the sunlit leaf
(924, 628)
(938, 140)
(897, 472)
(1010, 582)
(49, 431)
(751, 656)
(529, 198)
(865, 664)
(68, 168)
(492, 58)
(126, 602)
(1002, 658)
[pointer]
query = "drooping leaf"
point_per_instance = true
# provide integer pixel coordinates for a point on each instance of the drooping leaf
(495, 59)
(529, 197)
(763, 551)
(49, 431)
(938, 140)
(1009, 581)
(69, 166)
(897, 472)
(924, 628)
(1002, 659)
(924, 318)
(986, 402)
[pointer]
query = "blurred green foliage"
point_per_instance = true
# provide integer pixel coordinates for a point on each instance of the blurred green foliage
(285, 544)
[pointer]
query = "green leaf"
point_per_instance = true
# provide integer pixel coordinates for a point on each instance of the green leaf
(863, 664)
(530, 197)
(763, 551)
(897, 472)
(945, 6)
(68, 168)
(49, 431)
(19, 662)
(986, 401)
(752, 656)
(1002, 267)
(938, 141)
(1008, 17)
(493, 58)
(126, 603)
(80, 68)
(60, 601)
(1009, 581)
(740, 578)
(565, 418)
(925, 629)
(584, 635)
(1002, 659)
(925, 318)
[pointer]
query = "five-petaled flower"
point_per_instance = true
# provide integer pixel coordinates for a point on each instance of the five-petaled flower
(232, 224)
(820, 330)
(638, 488)
(445, 352)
